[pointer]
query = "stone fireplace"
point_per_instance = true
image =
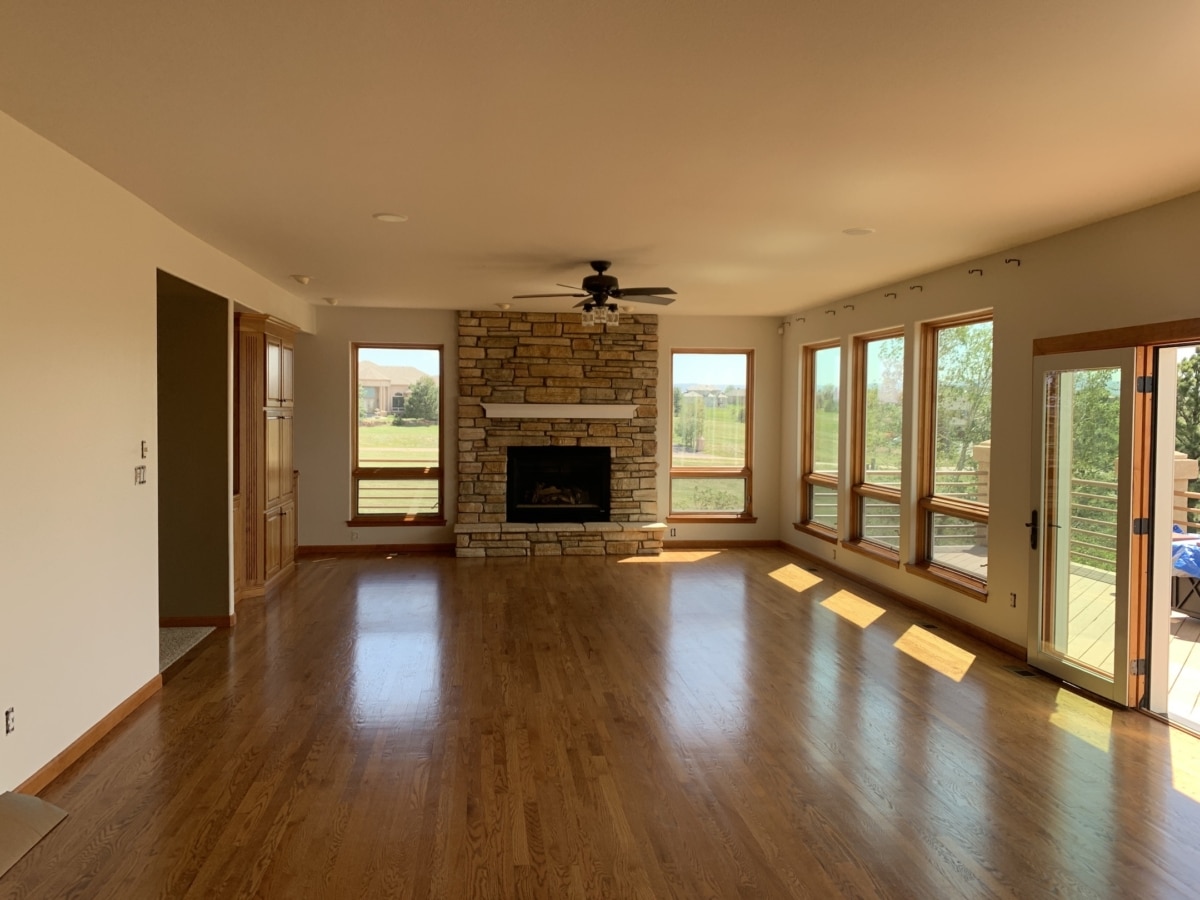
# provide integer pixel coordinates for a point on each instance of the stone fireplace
(533, 387)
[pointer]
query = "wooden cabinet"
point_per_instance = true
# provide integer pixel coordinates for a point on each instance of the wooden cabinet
(264, 379)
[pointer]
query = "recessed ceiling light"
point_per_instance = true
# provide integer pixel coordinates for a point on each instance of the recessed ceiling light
(858, 232)
(390, 217)
(302, 279)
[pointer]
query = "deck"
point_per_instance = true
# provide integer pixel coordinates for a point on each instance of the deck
(1090, 640)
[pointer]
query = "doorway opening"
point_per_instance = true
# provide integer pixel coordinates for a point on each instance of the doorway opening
(1173, 651)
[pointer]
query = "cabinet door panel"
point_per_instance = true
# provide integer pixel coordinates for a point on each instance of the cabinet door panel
(285, 457)
(274, 461)
(287, 549)
(274, 370)
(287, 381)
(274, 541)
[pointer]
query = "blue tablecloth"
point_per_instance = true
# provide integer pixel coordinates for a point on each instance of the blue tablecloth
(1185, 554)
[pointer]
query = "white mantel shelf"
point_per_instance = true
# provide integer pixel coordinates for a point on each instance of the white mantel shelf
(559, 410)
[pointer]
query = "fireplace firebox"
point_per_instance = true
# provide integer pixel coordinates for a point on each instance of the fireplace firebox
(559, 484)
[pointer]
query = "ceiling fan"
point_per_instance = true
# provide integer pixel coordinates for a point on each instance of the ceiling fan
(599, 290)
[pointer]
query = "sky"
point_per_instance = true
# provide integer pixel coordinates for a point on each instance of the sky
(423, 360)
(716, 369)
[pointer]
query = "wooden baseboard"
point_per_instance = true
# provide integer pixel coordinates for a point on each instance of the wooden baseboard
(980, 634)
(716, 545)
(41, 779)
(197, 621)
(362, 549)
(249, 593)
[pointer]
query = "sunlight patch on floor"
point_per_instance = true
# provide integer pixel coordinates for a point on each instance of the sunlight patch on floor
(673, 556)
(939, 654)
(1084, 719)
(796, 578)
(1185, 763)
(853, 608)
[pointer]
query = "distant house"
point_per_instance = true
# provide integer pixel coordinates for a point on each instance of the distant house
(385, 388)
(715, 396)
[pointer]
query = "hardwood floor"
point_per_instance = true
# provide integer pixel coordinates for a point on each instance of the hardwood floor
(717, 724)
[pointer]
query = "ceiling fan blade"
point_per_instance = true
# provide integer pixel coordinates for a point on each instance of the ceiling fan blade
(589, 299)
(661, 301)
(533, 296)
(571, 286)
(627, 292)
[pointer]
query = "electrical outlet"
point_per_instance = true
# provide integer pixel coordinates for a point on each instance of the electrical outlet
(354, 535)
(139, 474)
(672, 532)
(10, 720)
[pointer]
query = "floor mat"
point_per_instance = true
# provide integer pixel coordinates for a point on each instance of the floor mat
(24, 820)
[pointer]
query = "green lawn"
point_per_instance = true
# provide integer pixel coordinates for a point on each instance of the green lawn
(391, 445)
(723, 440)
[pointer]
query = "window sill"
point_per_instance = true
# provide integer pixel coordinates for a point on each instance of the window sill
(879, 553)
(394, 521)
(817, 531)
(702, 519)
(964, 584)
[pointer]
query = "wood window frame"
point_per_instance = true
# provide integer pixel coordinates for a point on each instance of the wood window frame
(808, 478)
(860, 488)
(930, 504)
(745, 472)
(395, 473)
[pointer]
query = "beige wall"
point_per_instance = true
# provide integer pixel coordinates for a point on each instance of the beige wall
(78, 540)
(1138, 268)
(323, 405)
(323, 416)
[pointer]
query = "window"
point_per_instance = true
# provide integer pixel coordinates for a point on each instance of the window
(712, 393)
(878, 443)
(822, 415)
(955, 451)
(396, 477)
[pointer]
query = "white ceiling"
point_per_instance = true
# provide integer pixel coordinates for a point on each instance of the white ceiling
(716, 147)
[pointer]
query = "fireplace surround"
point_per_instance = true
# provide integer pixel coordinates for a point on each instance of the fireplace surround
(545, 381)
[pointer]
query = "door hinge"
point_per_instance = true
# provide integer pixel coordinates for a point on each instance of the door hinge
(1141, 526)
(1145, 384)
(1137, 667)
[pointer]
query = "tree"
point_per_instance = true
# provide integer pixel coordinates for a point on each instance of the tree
(422, 401)
(364, 408)
(884, 401)
(1187, 407)
(964, 391)
(1095, 425)
(677, 399)
(689, 425)
(1187, 413)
